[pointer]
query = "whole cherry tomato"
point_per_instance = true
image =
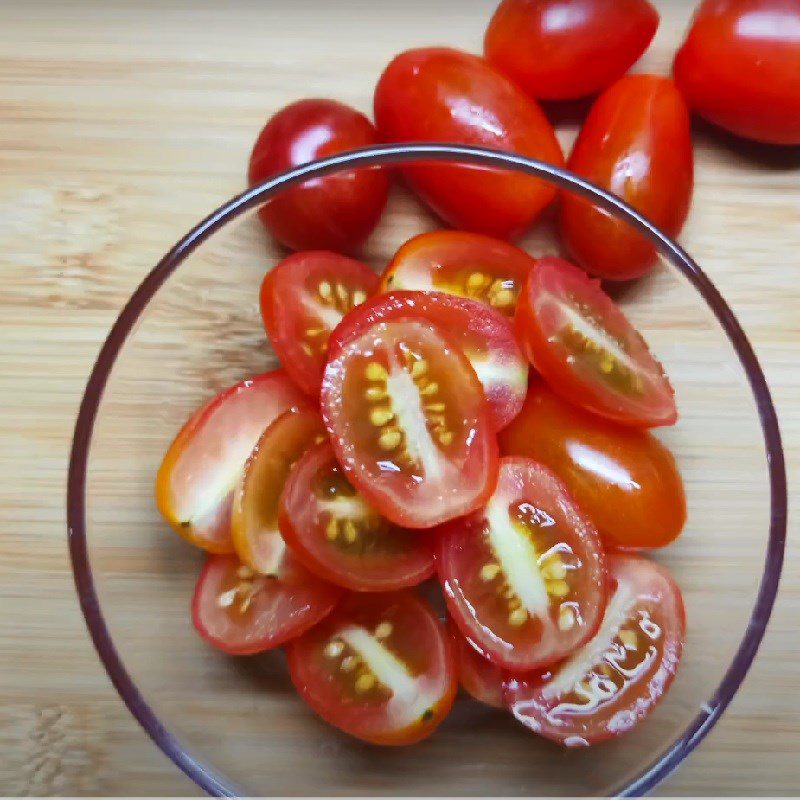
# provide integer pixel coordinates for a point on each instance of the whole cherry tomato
(564, 49)
(437, 94)
(740, 67)
(636, 142)
(336, 212)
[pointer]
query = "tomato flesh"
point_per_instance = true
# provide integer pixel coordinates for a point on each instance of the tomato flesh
(241, 612)
(484, 336)
(380, 668)
(341, 537)
(480, 678)
(302, 300)
(614, 681)
(196, 479)
(469, 265)
(579, 340)
(409, 423)
(524, 578)
(561, 51)
(624, 479)
(336, 212)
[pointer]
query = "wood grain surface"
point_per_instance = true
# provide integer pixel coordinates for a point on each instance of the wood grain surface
(121, 125)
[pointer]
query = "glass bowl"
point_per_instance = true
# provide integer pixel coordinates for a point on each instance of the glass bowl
(235, 726)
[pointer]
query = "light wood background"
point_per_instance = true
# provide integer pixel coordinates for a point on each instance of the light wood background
(121, 124)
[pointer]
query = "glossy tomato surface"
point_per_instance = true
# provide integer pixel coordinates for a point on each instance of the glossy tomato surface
(409, 423)
(579, 340)
(341, 537)
(613, 682)
(636, 142)
(485, 337)
(740, 67)
(624, 479)
(565, 49)
(437, 94)
(254, 515)
(524, 578)
(480, 678)
(303, 298)
(380, 668)
(465, 264)
(242, 612)
(196, 479)
(336, 212)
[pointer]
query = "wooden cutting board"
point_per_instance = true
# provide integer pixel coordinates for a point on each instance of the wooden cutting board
(120, 126)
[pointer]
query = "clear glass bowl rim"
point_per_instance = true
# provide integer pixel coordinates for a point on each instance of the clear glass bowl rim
(384, 155)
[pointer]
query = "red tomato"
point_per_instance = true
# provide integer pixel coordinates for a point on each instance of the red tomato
(584, 347)
(436, 94)
(740, 67)
(380, 668)
(409, 423)
(613, 682)
(564, 49)
(196, 479)
(484, 336)
(302, 300)
(342, 538)
(464, 264)
(481, 679)
(336, 212)
(241, 612)
(254, 515)
(636, 142)
(624, 479)
(524, 577)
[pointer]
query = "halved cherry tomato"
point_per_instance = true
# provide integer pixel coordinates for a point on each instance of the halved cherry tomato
(195, 482)
(485, 338)
(636, 142)
(524, 577)
(460, 263)
(341, 537)
(557, 50)
(740, 67)
(380, 668)
(481, 679)
(437, 94)
(241, 612)
(624, 479)
(578, 339)
(409, 423)
(254, 516)
(336, 212)
(302, 300)
(615, 680)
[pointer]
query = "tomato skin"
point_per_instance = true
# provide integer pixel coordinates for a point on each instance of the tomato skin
(480, 679)
(458, 97)
(739, 68)
(336, 212)
(563, 50)
(642, 505)
(288, 293)
(636, 142)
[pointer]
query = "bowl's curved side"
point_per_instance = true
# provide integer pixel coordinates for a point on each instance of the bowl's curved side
(394, 154)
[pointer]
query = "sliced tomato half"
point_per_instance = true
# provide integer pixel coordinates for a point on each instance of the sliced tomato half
(380, 668)
(341, 537)
(524, 578)
(580, 341)
(409, 423)
(483, 334)
(242, 612)
(302, 300)
(480, 678)
(196, 479)
(256, 499)
(470, 265)
(615, 680)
